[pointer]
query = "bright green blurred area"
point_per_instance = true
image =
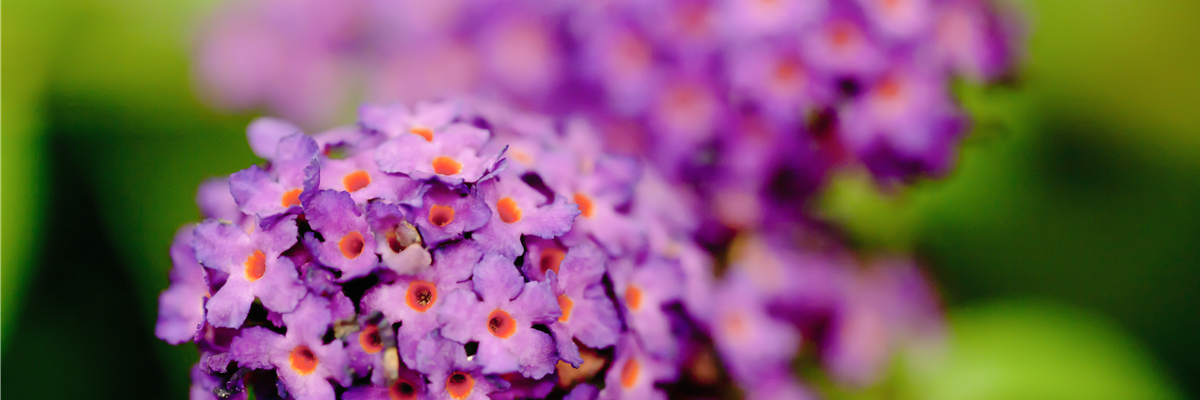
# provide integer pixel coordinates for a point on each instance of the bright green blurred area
(1065, 243)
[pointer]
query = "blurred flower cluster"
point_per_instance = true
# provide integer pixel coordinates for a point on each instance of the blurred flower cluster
(607, 199)
(750, 102)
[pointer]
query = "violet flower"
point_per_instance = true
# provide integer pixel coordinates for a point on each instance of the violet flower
(255, 269)
(501, 319)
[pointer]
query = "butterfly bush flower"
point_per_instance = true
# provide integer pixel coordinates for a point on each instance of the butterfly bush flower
(669, 80)
(575, 273)
(401, 284)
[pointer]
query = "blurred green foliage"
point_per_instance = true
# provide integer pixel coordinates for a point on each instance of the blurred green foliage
(1080, 186)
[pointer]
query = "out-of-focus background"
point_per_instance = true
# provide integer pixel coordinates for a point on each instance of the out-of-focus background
(1066, 244)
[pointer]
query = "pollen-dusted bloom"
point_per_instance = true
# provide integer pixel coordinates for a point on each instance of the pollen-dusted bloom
(499, 314)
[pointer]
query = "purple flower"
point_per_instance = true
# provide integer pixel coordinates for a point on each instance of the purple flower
(304, 363)
(255, 269)
(778, 384)
(588, 314)
(842, 45)
(444, 214)
(293, 177)
(360, 176)
(396, 241)
(751, 342)
(366, 350)
(524, 388)
(395, 119)
(518, 52)
(750, 20)
(643, 291)
(890, 307)
(449, 155)
(518, 209)
(904, 125)
(181, 306)
(634, 373)
(899, 19)
(206, 387)
(583, 391)
(501, 319)
(416, 300)
(454, 376)
(618, 55)
(346, 235)
(597, 187)
(409, 386)
(774, 77)
(215, 202)
(974, 40)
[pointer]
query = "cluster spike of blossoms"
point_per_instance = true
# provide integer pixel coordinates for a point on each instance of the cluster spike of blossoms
(460, 250)
(751, 102)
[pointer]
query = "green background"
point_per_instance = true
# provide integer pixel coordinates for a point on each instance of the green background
(1066, 244)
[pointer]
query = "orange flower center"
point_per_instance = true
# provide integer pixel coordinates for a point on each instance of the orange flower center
(629, 373)
(735, 325)
(443, 165)
(369, 339)
(501, 324)
(584, 203)
(566, 305)
(459, 385)
(422, 132)
(402, 390)
(421, 295)
(256, 265)
(842, 34)
(633, 297)
(291, 198)
(550, 260)
(441, 215)
(303, 360)
(356, 180)
(508, 210)
(351, 245)
(888, 89)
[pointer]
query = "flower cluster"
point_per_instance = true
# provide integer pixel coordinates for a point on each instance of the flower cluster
(461, 250)
(749, 101)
